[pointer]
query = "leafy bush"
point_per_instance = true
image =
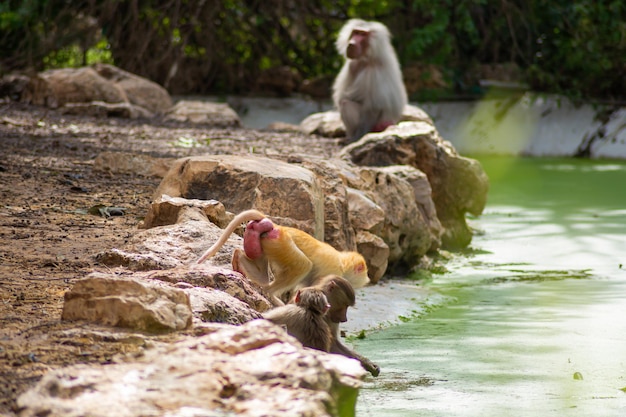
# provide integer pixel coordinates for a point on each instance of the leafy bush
(574, 47)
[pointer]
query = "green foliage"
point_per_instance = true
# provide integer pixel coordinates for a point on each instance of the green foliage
(574, 47)
(580, 48)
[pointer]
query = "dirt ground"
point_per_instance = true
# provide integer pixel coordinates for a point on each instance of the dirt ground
(48, 236)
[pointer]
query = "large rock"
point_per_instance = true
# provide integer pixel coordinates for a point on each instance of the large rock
(423, 198)
(138, 90)
(79, 85)
(287, 193)
(251, 370)
(166, 210)
(390, 218)
(220, 278)
(131, 163)
(329, 124)
(99, 83)
(404, 229)
(459, 185)
(108, 299)
(368, 219)
(204, 113)
(339, 229)
(214, 306)
(168, 253)
(170, 246)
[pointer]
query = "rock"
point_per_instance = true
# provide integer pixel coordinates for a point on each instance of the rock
(136, 261)
(459, 185)
(404, 230)
(376, 253)
(168, 253)
(368, 219)
(13, 86)
(287, 193)
(110, 300)
(249, 370)
(214, 306)
(114, 91)
(422, 192)
(338, 225)
(171, 246)
(131, 163)
(138, 90)
(102, 109)
(203, 113)
(365, 214)
(386, 207)
(221, 278)
(283, 127)
(37, 91)
(327, 124)
(413, 113)
(166, 210)
(79, 85)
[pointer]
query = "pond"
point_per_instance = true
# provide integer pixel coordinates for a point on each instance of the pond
(532, 321)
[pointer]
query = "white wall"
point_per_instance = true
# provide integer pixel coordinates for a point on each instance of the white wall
(532, 125)
(537, 126)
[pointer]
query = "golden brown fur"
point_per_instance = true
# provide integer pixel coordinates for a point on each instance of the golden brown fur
(293, 257)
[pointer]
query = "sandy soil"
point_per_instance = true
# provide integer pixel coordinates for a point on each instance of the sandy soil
(48, 237)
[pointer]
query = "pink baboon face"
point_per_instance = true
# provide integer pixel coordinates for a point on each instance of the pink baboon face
(255, 231)
(359, 41)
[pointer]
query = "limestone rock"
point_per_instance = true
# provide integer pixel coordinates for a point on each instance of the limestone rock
(249, 370)
(287, 193)
(168, 253)
(376, 253)
(171, 246)
(459, 185)
(203, 112)
(329, 124)
(423, 197)
(217, 277)
(108, 299)
(103, 84)
(210, 305)
(338, 225)
(318, 87)
(79, 85)
(136, 261)
(13, 86)
(138, 90)
(404, 229)
(131, 163)
(365, 214)
(166, 210)
(413, 113)
(102, 109)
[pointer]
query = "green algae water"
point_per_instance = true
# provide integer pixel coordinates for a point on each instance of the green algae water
(534, 317)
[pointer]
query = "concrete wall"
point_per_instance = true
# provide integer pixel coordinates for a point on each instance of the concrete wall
(530, 125)
(537, 126)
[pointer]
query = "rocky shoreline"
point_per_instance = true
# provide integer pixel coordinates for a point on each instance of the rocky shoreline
(397, 197)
